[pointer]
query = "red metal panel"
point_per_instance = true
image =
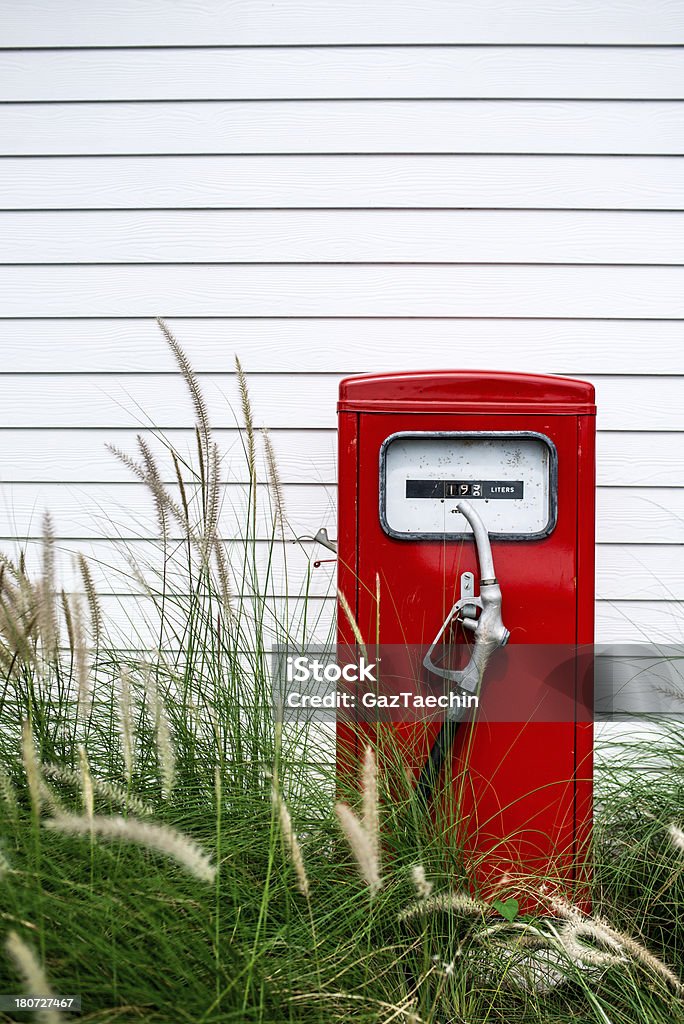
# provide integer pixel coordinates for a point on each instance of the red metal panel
(584, 730)
(525, 800)
(347, 564)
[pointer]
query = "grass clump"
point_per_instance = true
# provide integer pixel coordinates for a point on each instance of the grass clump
(171, 853)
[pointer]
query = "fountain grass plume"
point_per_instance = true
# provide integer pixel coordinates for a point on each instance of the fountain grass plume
(34, 977)
(125, 721)
(166, 753)
(84, 696)
(446, 902)
(190, 378)
(247, 419)
(291, 841)
(8, 793)
(370, 804)
(274, 482)
(159, 839)
(213, 504)
(223, 573)
(31, 766)
(676, 835)
(109, 791)
(47, 615)
(87, 791)
(91, 597)
(68, 620)
(603, 932)
(420, 881)
(349, 616)
(361, 846)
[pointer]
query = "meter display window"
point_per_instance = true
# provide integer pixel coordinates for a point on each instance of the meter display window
(510, 478)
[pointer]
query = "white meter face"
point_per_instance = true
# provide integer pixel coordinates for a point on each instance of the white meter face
(510, 479)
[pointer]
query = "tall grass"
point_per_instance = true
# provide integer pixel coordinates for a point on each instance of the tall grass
(170, 853)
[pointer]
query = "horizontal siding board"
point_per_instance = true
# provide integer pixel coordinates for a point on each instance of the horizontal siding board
(340, 72)
(82, 182)
(127, 511)
(302, 456)
(316, 236)
(619, 619)
(319, 290)
(345, 346)
(278, 400)
(640, 516)
(624, 515)
(261, 22)
(133, 622)
(276, 569)
(624, 574)
(273, 571)
(110, 565)
(647, 622)
(344, 126)
(638, 572)
(638, 458)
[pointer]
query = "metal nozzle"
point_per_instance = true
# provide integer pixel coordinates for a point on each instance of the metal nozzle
(488, 629)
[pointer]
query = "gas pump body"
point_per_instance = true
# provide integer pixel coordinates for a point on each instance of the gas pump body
(520, 448)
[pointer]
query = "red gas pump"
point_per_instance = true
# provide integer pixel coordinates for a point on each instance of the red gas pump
(445, 478)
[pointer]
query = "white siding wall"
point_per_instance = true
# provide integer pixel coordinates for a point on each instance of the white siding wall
(331, 188)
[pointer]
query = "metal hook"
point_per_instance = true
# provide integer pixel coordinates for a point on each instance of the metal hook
(320, 538)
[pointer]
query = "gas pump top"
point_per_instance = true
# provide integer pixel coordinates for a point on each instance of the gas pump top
(490, 391)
